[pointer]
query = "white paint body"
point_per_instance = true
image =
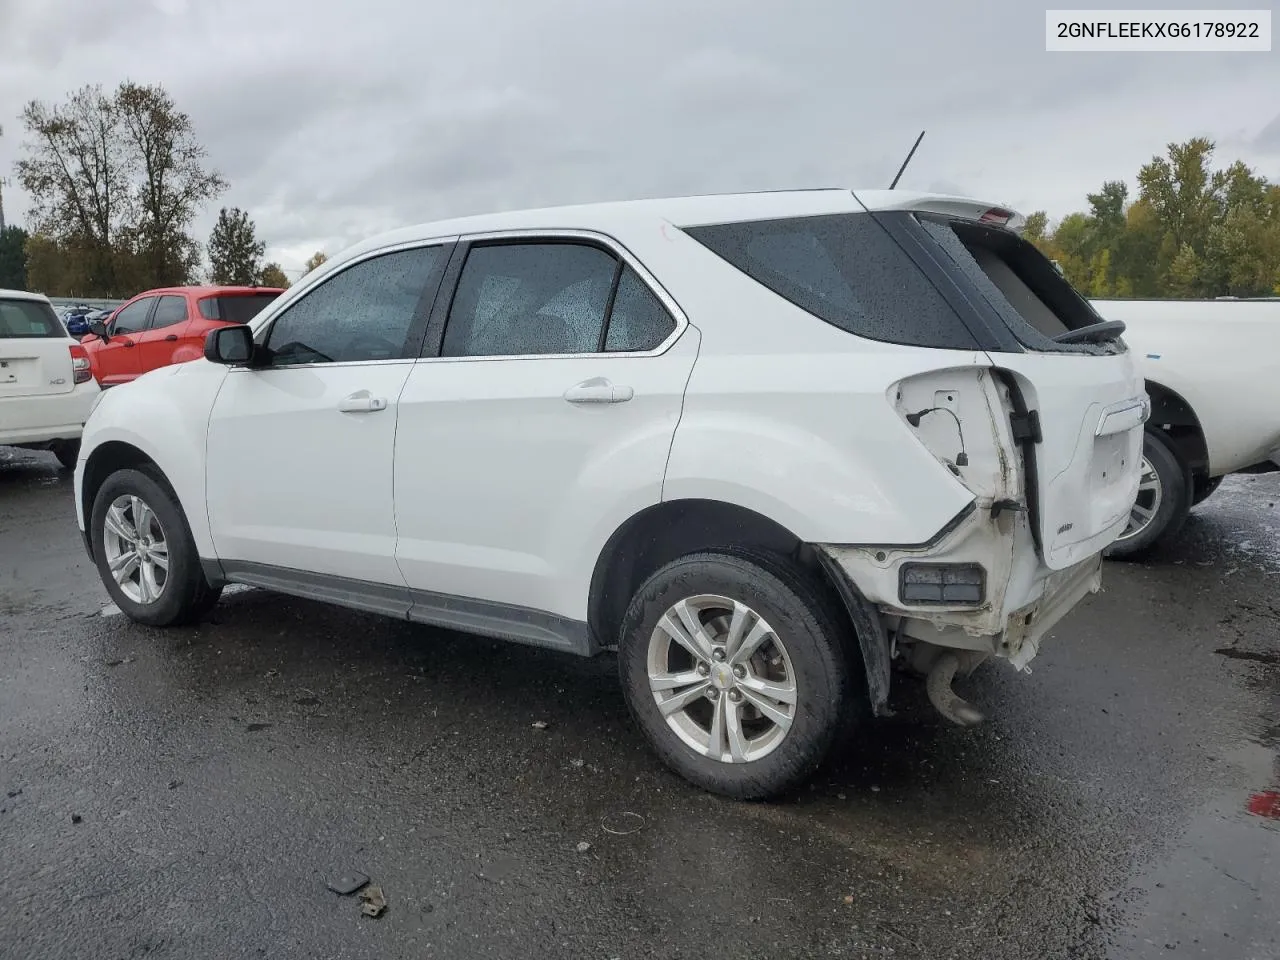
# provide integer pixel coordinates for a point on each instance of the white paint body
(39, 399)
(1223, 358)
(477, 479)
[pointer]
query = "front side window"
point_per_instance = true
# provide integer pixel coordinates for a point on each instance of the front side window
(361, 313)
(169, 310)
(525, 299)
(133, 318)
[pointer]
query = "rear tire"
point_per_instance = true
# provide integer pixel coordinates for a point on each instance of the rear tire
(139, 530)
(67, 452)
(1164, 499)
(757, 712)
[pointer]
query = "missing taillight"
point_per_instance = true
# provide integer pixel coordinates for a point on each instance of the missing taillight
(81, 372)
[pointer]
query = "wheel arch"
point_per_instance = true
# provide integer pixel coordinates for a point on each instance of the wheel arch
(1174, 417)
(660, 533)
(106, 459)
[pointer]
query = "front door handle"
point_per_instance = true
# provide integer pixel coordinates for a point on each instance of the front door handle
(128, 343)
(171, 337)
(598, 390)
(362, 402)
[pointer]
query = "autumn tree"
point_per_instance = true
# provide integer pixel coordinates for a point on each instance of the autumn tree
(115, 183)
(314, 261)
(273, 275)
(76, 171)
(235, 252)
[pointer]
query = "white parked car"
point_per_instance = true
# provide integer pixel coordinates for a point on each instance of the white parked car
(46, 387)
(760, 444)
(1213, 376)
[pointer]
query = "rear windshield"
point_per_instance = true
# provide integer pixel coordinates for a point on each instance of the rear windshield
(845, 269)
(236, 308)
(1021, 285)
(28, 318)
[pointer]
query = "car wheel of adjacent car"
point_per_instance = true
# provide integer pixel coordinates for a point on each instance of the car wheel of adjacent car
(67, 452)
(1164, 498)
(1204, 489)
(734, 667)
(145, 552)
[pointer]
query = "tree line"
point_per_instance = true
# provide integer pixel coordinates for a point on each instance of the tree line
(116, 181)
(1191, 231)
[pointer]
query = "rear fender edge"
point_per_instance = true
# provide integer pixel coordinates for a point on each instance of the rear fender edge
(873, 641)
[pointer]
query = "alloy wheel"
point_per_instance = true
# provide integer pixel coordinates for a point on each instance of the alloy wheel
(136, 549)
(722, 679)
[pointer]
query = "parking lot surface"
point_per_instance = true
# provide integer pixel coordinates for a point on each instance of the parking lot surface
(188, 793)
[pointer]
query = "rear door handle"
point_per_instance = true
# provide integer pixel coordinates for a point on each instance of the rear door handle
(171, 337)
(362, 402)
(599, 390)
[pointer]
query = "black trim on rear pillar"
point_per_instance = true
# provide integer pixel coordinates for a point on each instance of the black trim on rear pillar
(486, 618)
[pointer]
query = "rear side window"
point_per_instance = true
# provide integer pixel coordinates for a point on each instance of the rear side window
(28, 318)
(638, 322)
(169, 310)
(845, 269)
(235, 309)
(1021, 285)
(527, 299)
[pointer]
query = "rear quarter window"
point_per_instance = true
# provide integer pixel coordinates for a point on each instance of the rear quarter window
(845, 269)
(235, 309)
(22, 319)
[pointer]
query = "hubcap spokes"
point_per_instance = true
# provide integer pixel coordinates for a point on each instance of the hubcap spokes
(136, 549)
(722, 679)
(1150, 495)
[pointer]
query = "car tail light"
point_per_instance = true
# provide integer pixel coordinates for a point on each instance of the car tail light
(80, 371)
(997, 216)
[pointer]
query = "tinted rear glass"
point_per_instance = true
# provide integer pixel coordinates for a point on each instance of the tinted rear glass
(845, 269)
(28, 318)
(1021, 285)
(235, 309)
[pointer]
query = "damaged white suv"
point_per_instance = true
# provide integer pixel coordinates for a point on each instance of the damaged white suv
(763, 445)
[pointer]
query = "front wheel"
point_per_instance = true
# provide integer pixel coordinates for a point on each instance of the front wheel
(144, 551)
(1164, 498)
(734, 668)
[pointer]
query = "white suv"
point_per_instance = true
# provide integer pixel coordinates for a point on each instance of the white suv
(46, 386)
(763, 445)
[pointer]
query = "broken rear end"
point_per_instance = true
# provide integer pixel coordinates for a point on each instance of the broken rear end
(1024, 408)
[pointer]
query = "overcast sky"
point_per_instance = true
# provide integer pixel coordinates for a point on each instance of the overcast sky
(335, 119)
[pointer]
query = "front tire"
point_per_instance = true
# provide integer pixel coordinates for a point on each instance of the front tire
(734, 668)
(1164, 498)
(1204, 489)
(145, 553)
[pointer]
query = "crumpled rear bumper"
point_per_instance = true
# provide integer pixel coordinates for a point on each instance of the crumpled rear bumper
(1023, 598)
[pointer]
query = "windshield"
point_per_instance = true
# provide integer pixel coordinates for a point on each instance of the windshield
(21, 319)
(235, 308)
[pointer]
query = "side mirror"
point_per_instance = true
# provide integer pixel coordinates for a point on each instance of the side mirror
(99, 329)
(232, 346)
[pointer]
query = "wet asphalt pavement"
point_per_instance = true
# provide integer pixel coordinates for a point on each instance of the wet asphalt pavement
(186, 793)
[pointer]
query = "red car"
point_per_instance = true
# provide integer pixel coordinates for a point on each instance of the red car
(166, 326)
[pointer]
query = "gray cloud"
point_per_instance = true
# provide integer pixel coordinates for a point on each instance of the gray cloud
(334, 120)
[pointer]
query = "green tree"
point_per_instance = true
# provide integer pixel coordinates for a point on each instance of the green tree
(1184, 276)
(13, 258)
(273, 276)
(172, 183)
(235, 252)
(115, 183)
